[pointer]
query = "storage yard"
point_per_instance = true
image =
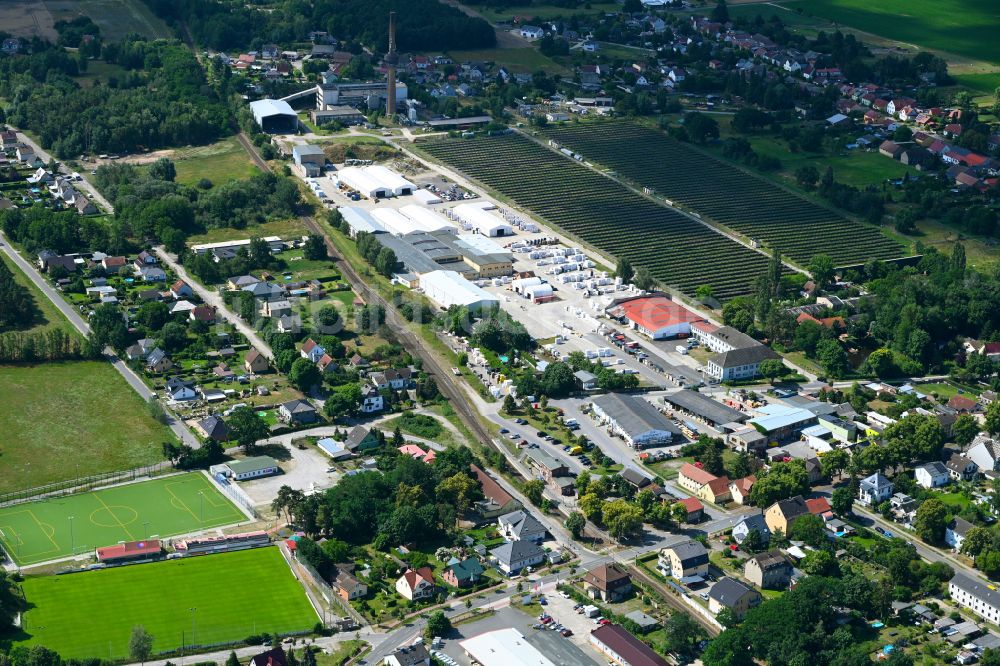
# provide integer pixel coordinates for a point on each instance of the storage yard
(725, 194)
(677, 250)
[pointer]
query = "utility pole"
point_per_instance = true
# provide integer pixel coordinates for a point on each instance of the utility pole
(201, 496)
(72, 544)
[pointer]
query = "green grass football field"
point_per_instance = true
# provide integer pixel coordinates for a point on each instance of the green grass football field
(234, 595)
(50, 529)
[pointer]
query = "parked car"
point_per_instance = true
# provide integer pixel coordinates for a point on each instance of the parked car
(566, 633)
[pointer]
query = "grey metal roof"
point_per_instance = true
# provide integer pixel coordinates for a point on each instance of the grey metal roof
(705, 407)
(633, 414)
(514, 551)
(735, 358)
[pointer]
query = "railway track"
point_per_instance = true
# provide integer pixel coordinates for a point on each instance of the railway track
(670, 598)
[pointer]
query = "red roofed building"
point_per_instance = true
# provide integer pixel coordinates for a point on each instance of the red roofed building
(416, 584)
(819, 506)
(129, 551)
(657, 316)
(961, 403)
(695, 509)
(692, 477)
(497, 501)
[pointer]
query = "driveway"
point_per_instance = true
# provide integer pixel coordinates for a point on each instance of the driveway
(215, 299)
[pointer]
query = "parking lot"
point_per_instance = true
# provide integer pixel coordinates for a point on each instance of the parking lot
(305, 471)
(572, 651)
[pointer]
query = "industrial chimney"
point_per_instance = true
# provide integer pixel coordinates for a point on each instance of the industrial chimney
(391, 60)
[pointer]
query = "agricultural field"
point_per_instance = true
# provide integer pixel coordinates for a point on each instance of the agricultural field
(527, 59)
(115, 18)
(677, 250)
(718, 191)
(219, 162)
(966, 28)
(191, 601)
(64, 420)
(49, 529)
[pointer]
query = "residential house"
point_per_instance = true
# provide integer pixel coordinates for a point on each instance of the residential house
(752, 523)
(546, 464)
(520, 525)
(180, 390)
(607, 582)
(783, 513)
(463, 574)
(290, 324)
(739, 490)
(695, 509)
(683, 560)
(327, 364)
(497, 501)
(371, 400)
(112, 265)
(145, 258)
(348, 587)
(417, 584)
(985, 452)
(273, 657)
(213, 427)
(692, 478)
(964, 404)
(531, 32)
(585, 380)
(716, 490)
(361, 439)
(240, 282)
(158, 361)
(768, 571)
(409, 655)
(255, 362)
(514, 556)
(956, 531)
(932, 475)
(961, 468)
(874, 489)
(977, 595)
(202, 313)
(312, 350)
(297, 412)
(392, 379)
(140, 350)
(181, 289)
(418, 453)
(729, 593)
(277, 309)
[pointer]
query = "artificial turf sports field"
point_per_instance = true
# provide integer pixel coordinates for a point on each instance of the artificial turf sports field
(41, 531)
(235, 595)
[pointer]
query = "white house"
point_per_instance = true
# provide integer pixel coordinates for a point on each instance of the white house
(875, 489)
(956, 532)
(932, 475)
(532, 32)
(416, 584)
(985, 452)
(976, 595)
(371, 400)
(514, 556)
(312, 350)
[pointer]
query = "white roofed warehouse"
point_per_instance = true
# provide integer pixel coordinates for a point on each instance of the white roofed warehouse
(275, 116)
(390, 179)
(364, 184)
(482, 221)
(447, 288)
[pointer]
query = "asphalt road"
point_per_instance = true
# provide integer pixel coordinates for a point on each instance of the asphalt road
(179, 427)
(214, 298)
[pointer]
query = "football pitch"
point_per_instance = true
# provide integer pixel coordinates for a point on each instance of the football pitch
(200, 601)
(59, 527)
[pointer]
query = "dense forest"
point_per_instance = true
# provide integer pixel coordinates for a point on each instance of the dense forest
(422, 25)
(161, 101)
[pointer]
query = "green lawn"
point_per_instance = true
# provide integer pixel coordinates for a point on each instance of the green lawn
(955, 501)
(199, 600)
(220, 162)
(965, 27)
(527, 59)
(542, 11)
(284, 228)
(47, 316)
(70, 419)
(99, 70)
(983, 82)
(40, 531)
(118, 18)
(944, 390)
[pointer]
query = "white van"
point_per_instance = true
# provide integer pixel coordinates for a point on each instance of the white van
(681, 349)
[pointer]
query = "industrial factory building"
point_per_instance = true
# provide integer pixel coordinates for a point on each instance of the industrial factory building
(360, 220)
(477, 218)
(655, 316)
(448, 288)
(422, 252)
(275, 116)
(375, 182)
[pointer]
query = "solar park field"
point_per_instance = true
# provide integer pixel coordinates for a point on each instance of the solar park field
(50, 529)
(233, 596)
(725, 194)
(677, 250)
